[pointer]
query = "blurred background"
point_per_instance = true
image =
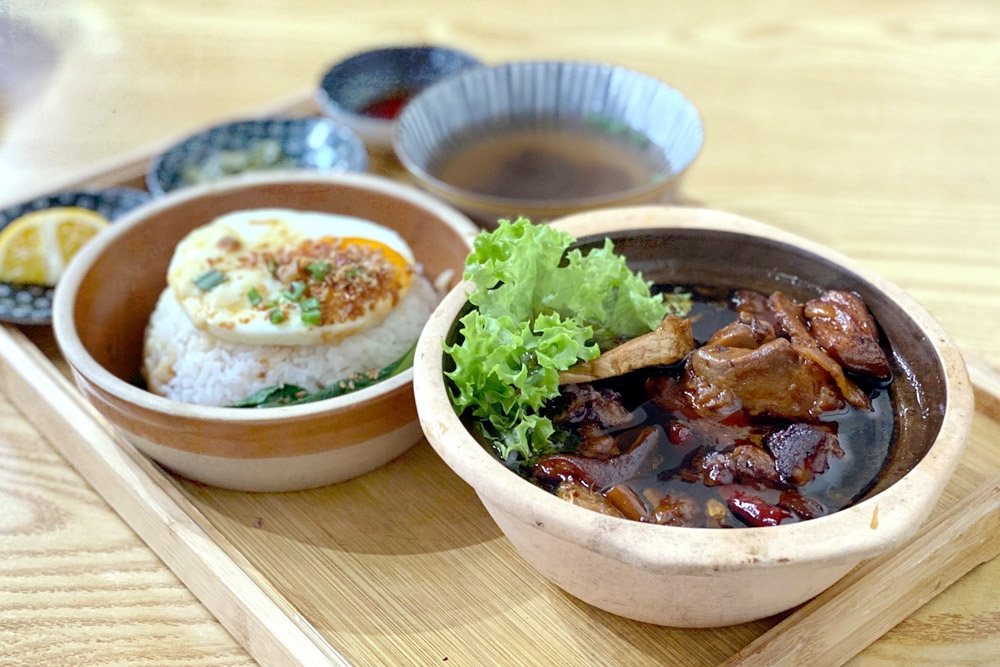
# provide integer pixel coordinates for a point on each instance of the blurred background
(813, 113)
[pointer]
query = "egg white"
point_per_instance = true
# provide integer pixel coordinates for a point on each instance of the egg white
(225, 311)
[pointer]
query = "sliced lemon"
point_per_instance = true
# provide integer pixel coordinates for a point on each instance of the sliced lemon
(36, 247)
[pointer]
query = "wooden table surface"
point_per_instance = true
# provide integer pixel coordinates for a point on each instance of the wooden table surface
(871, 127)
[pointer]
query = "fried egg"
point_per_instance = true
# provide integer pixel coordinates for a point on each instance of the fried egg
(287, 277)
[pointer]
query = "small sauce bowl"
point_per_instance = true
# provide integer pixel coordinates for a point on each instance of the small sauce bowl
(368, 90)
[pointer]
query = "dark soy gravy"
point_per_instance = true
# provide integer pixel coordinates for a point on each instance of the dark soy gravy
(865, 436)
(551, 164)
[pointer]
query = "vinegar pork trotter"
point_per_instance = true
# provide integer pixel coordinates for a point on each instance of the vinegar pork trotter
(738, 433)
(720, 408)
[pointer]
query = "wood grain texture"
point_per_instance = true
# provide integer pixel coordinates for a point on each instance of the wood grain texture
(876, 596)
(872, 128)
(376, 561)
(135, 487)
(961, 626)
(71, 569)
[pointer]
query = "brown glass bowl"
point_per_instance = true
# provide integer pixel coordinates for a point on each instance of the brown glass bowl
(105, 298)
(702, 577)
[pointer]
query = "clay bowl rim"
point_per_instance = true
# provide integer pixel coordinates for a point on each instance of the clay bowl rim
(84, 365)
(381, 62)
(845, 536)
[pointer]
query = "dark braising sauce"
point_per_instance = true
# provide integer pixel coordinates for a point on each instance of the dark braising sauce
(551, 164)
(863, 436)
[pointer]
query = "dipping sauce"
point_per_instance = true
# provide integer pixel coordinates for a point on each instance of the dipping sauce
(387, 107)
(582, 161)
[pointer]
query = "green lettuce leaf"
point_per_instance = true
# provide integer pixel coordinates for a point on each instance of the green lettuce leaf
(539, 308)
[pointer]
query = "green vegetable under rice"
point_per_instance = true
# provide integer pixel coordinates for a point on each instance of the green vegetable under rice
(186, 364)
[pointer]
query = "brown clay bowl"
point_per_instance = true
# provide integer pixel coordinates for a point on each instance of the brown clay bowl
(701, 577)
(104, 300)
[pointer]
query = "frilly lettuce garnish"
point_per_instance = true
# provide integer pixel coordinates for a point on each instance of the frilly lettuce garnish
(538, 309)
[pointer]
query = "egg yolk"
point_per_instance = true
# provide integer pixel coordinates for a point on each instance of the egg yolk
(339, 277)
(402, 265)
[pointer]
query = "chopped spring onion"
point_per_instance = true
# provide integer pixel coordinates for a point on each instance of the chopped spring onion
(295, 291)
(209, 279)
(311, 313)
(254, 296)
(277, 317)
(319, 270)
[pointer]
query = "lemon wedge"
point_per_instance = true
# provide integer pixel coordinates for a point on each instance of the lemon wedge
(36, 247)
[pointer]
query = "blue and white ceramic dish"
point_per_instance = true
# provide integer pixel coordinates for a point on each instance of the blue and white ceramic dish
(311, 143)
(611, 104)
(366, 90)
(32, 304)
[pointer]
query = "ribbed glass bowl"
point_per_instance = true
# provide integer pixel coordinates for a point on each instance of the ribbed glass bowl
(657, 122)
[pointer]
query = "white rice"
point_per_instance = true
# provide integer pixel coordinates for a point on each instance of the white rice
(186, 364)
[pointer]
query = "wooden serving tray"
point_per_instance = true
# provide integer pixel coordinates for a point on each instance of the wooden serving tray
(404, 566)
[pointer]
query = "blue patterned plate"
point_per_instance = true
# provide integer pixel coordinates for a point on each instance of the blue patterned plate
(32, 304)
(247, 145)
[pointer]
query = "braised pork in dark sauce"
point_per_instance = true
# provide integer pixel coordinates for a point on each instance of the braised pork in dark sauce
(779, 412)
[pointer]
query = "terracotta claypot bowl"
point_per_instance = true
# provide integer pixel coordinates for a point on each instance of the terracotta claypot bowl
(103, 303)
(702, 577)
